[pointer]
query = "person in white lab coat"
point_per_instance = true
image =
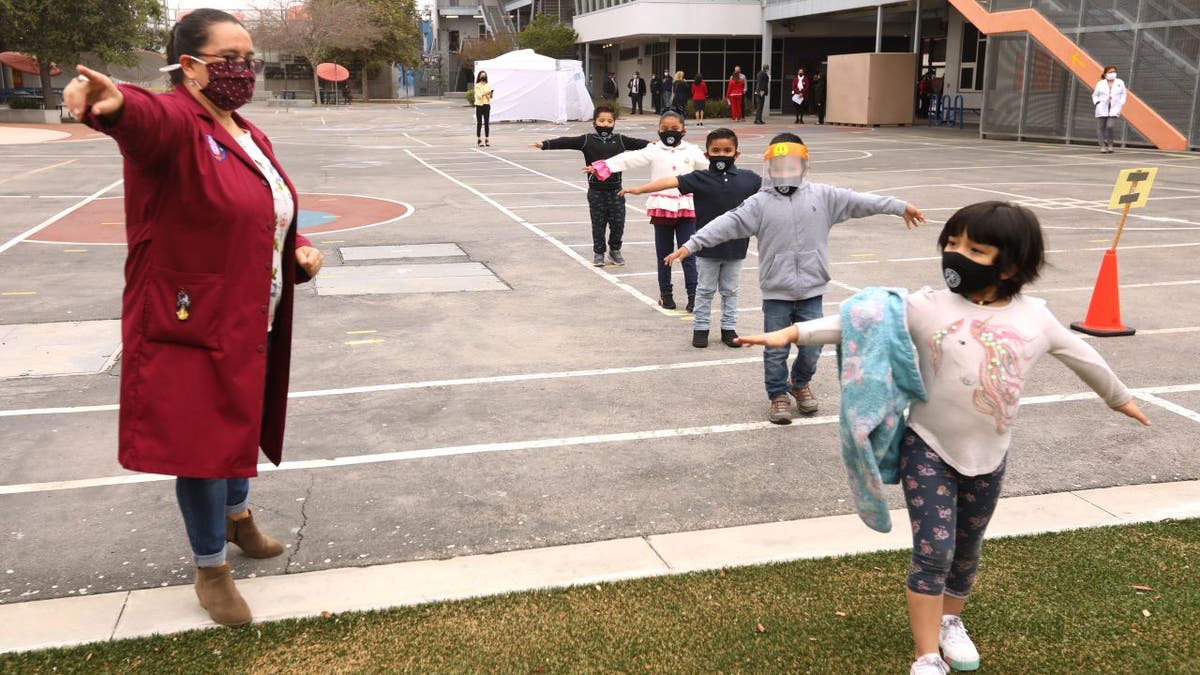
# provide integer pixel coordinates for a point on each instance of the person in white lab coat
(1109, 98)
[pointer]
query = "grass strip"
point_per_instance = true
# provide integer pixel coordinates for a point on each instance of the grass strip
(1107, 600)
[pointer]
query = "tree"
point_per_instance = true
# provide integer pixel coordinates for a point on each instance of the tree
(482, 50)
(398, 40)
(57, 32)
(546, 36)
(317, 29)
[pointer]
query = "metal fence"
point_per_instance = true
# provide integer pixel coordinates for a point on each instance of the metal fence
(1155, 45)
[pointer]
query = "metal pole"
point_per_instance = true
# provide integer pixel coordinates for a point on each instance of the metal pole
(765, 57)
(878, 28)
(917, 34)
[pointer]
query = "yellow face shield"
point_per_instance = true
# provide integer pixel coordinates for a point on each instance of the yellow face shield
(785, 165)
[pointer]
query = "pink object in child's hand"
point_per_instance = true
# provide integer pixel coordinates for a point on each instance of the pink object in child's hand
(602, 170)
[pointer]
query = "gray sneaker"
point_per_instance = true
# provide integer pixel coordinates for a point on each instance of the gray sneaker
(598, 260)
(616, 257)
(780, 411)
(806, 403)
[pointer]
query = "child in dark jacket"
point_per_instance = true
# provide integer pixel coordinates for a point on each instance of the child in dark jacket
(605, 203)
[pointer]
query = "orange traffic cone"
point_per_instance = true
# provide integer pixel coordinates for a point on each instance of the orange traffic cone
(1104, 314)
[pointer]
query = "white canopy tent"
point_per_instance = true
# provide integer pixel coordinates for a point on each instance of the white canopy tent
(530, 86)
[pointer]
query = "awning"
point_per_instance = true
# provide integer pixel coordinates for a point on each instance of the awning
(25, 64)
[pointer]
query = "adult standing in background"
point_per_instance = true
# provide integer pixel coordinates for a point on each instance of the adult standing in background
(818, 95)
(699, 96)
(483, 109)
(206, 316)
(680, 93)
(734, 92)
(1109, 97)
(637, 91)
(665, 85)
(610, 87)
(799, 93)
(656, 96)
(761, 86)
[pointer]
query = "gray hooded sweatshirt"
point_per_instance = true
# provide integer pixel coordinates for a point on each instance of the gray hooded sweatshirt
(792, 232)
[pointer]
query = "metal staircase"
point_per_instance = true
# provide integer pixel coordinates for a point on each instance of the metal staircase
(499, 26)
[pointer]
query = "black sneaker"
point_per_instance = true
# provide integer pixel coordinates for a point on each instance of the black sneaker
(598, 260)
(728, 337)
(616, 257)
(691, 301)
(666, 301)
(699, 338)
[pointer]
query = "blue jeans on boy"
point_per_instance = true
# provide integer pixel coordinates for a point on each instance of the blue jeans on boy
(666, 239)
(713, 274)
(778, 314)
(204, 503)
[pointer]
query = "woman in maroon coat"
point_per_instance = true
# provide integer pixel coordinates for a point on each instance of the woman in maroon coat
(206, 320)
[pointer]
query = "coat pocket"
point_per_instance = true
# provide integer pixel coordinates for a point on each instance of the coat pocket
(184, 308)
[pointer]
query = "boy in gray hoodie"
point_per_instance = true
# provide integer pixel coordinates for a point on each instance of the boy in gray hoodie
(791, 218)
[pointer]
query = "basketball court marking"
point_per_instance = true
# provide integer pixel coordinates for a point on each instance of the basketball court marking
(58, 216)
(1147, 394)
(641, 297)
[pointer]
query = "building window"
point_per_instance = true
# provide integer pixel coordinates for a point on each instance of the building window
(974, 49)
(455, 43)
(482, 30)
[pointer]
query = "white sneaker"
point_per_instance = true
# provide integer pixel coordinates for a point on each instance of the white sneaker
(929, 664)
(956, 644)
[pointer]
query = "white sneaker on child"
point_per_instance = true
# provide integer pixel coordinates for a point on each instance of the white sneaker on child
(929, 664)
(957, 645)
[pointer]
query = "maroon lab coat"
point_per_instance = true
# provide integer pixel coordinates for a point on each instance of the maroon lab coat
(199, 220)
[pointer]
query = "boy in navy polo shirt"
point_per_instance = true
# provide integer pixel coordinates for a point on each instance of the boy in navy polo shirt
(605, 202)
(715, 190)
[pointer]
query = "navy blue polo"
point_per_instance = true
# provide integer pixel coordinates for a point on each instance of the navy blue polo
(714, 193)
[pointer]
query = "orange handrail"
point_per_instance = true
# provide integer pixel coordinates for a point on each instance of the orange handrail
(1143, 118)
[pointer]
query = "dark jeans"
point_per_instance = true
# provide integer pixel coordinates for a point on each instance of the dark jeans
(760, 102)
(635, 104)
(483, 119)
(778, 314)
(820, 112)
(666, 239)
(799, 111)
(607, 210)
(949, 514)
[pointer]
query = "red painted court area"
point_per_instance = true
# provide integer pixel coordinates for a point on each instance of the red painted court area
(103, 220)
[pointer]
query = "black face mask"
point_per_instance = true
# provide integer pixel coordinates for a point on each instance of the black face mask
(786, 190)
(670, 138)
(602, 132)
(719, 164)
(965, 276)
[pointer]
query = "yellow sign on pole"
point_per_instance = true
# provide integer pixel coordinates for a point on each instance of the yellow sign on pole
(1132, 189)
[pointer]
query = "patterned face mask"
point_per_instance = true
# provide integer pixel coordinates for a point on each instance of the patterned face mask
(230, 85)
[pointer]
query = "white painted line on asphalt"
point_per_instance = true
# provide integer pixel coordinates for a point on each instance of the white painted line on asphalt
(534, 444)
(1167, 405)
(57, 217)
(1157, 284)
(412, 138)
(641, 297)
(546, 175)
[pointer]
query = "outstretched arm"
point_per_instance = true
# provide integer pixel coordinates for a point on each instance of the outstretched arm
(826, 330)
(654, 186)
(1087, 363)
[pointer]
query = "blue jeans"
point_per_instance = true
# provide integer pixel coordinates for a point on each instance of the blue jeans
(204, 503)
(714, 274)
(779, 314)
(666, 239)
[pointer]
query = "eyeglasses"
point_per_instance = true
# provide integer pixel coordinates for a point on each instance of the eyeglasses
(237, 63)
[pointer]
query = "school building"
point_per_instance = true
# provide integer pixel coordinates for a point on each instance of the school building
(1012, 85)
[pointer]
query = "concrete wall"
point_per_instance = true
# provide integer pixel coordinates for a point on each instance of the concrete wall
(870, 88)
(647, 18)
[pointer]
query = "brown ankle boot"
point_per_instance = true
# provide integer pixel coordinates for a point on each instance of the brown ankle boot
(218, 595)
(246, 535)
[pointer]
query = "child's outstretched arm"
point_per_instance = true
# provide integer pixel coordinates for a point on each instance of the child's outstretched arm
(654, 186)
(560, 143)
(1087, 363)
(823, 331)
(630, 159)
(739, 223)
(846, 204)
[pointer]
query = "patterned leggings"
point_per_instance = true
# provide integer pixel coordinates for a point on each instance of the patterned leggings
(949, 513)
(607, 210)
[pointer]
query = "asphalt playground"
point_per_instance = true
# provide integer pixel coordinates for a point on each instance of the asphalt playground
(465, 382)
